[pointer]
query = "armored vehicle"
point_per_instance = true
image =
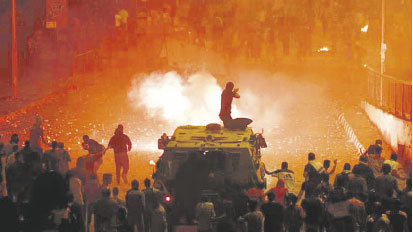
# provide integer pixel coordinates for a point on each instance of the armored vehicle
(207, 161)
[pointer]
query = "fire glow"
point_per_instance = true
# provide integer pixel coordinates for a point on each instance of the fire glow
(323, 49)
(196, 100)
(365, 28)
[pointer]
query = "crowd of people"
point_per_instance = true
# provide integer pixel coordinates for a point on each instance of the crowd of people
(40, 192)
(357, 200)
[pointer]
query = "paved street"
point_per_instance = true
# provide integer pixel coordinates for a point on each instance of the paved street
(303, 105)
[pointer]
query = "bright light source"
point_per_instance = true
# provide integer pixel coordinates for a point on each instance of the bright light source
(365, 28)
(365, 65)
(168, 199)
(323, 49)
(151, 162)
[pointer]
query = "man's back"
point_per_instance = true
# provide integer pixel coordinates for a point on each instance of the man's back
(385, 185)
(149, 199)
(135, 201)
(204, 212)
(366, 172)
(273, 213)
(313, 170)
(105, 211)
(357, 185)
(254, 220)
(342, 179)
(287, 176)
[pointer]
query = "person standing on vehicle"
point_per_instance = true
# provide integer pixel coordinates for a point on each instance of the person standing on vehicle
(226, 101)
(121, 145)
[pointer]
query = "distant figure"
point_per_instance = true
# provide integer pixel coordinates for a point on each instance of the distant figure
(386, 184)
(341, 180)
(93, 159)
(135, 204)
(363, 169)
(36, 135)
(105, 212)
(50, 160)
(375, 149)
(63, 159)
(12, 146)
(395, 166)
(313, 170)
(226, 101)
(284, 174)
(204, 213)
(150, 199)
(273, 212)
(254, 218)
(121, 145)
(293, 214)
(158, 219)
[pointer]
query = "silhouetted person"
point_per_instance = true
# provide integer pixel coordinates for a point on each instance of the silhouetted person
(284, 174)
(364, 170)
(226, 102)
(50, 158)
(135, 204)
(395, 166)
(48, 193)
(105, 211)
(386, 184)
(150, 199)
(293, 215)
(12, 146)
(94, 158)
(36, 135)
(273, 213)
(375, 149)
(341, 180)
(121, 145)
(254, 218)
(63, 159)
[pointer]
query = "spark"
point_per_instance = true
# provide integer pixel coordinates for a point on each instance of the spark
(323, 49)
(365, 28)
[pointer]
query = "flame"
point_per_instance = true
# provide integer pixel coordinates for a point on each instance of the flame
(365, 28)
(323, 49)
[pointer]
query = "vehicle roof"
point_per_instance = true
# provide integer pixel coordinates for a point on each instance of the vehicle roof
(199, 137)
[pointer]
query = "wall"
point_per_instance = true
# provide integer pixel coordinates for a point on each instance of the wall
(394, 130)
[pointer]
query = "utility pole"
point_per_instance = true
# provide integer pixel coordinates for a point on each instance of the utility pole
(382, 51)
(14, 49)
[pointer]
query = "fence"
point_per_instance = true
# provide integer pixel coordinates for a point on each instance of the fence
(396, 96)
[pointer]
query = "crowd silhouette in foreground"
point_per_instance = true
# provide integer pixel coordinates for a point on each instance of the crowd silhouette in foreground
(41, 193)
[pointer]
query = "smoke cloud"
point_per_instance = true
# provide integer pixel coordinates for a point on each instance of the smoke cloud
(196, 99)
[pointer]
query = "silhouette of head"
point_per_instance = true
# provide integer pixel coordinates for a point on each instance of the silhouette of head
(229, 86)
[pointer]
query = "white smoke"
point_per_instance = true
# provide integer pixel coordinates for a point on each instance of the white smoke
(179, 101)
(196, 100)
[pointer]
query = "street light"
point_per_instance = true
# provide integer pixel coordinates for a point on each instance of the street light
(14, 49)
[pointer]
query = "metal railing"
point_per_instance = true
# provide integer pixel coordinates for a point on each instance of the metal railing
(390, 94)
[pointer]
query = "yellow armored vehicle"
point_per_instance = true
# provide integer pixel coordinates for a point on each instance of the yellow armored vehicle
(207, 161)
